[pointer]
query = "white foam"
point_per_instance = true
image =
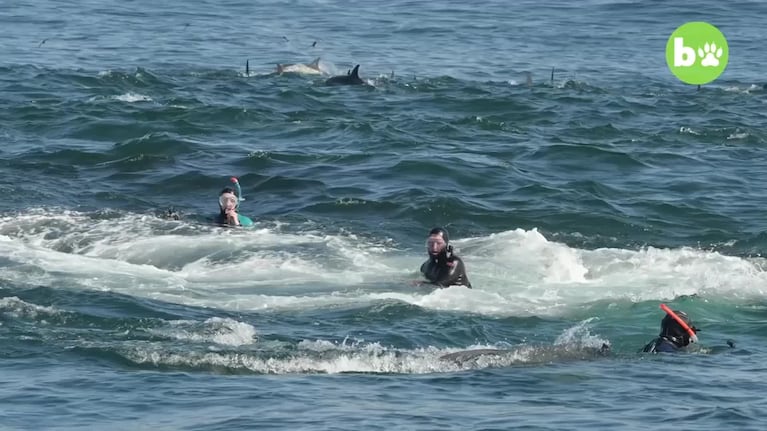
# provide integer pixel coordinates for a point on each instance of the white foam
(370, 358)
(738, 135)
(15, 307)
(746, 90)
(514, 273)
(218, 330)
(688, 130)
(132, 98)
(580, 335)
(322, 356)
(301, 69)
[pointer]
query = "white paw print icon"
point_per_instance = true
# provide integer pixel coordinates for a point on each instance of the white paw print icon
(710, 55)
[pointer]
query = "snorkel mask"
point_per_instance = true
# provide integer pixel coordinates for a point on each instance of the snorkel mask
(230, 199)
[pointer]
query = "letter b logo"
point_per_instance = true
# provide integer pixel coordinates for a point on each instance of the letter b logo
(684, 56)
(697, 53)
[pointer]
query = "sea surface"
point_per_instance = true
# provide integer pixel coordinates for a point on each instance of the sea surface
(581, 199)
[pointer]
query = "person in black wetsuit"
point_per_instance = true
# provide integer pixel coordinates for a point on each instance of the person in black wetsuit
(443, 267)
(672, 337)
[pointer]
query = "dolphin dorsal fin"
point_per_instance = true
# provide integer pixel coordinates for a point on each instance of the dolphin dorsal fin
(279, 68)
(315, 64)
(356, 72)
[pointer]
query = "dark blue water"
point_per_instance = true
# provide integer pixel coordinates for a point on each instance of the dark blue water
(579, 201)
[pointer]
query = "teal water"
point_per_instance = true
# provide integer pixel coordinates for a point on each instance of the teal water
(579, 204)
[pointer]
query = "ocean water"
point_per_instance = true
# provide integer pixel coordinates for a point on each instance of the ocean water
(580, 202)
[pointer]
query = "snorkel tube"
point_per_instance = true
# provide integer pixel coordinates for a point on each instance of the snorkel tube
(239, 191)
(685, 326)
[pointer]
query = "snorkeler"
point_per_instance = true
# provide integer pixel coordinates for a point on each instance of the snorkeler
(676, 333)
(229, 205)
(443, 268)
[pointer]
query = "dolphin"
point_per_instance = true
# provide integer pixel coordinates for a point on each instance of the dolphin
(351, 78)
(312, 68)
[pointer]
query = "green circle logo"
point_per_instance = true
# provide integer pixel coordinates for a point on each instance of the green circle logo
(697, 53)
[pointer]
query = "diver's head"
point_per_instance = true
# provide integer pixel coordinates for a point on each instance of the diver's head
(672, 330)
(437, 242)
(227, 199)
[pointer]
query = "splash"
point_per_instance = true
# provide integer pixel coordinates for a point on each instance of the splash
(286, 267)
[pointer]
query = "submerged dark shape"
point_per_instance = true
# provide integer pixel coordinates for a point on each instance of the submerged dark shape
(351, 78)
(539, 354)
(466, 355)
